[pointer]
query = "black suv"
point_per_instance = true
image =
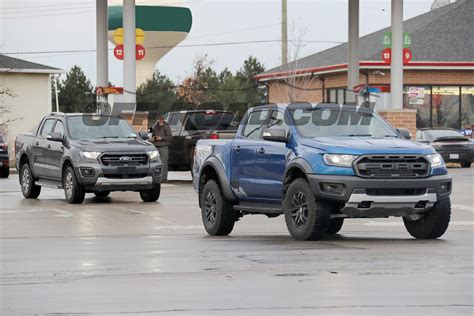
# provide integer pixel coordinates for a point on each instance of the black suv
(84, 153)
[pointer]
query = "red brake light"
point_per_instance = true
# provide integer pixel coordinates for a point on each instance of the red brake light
(214, 136)
(211, 112)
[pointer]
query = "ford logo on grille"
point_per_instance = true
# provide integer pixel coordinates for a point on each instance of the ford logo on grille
(125, 158)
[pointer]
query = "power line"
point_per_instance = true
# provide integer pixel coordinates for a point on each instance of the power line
(45, 15)
(21, 11)
(161, 47)
(49, 5)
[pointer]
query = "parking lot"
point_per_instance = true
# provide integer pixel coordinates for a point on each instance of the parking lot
(119, 255)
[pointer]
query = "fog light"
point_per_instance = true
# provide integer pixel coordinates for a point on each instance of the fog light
(365, 204)
(421, 204)
(336, 188)
(87, 172)
(445, 187)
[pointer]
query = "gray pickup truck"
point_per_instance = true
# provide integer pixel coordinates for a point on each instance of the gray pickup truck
(87, 153)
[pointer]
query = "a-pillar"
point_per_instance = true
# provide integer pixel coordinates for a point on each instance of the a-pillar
(129, 62)
(353, 45)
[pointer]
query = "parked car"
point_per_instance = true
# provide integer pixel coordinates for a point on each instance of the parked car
(318, 165)
(451, 144)
(4, 159)
(84, 153)
(190, 126)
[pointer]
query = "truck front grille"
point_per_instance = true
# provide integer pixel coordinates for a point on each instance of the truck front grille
(392, 166)
(124, 159)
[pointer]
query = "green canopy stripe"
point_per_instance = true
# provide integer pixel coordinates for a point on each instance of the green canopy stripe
(155, 18)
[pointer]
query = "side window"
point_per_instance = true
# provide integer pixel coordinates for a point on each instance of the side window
(47, 127)
(277, 119)
(419, 135)
(59, 128)
(255, 125)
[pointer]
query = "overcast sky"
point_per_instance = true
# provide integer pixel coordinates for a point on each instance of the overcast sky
(40, 25)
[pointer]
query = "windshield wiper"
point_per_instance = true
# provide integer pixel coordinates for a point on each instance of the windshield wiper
(357, 135)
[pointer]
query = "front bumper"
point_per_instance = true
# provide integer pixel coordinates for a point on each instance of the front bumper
(362, 197)
(96, 177)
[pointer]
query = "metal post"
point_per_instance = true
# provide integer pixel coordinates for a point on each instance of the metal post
(396, 69)
(284, 32)
(102, 49)
(129, 62)
(353, 45)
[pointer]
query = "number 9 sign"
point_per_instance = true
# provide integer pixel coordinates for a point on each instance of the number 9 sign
(387, 55)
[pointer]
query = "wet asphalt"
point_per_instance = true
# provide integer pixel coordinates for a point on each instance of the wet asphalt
(121, 256)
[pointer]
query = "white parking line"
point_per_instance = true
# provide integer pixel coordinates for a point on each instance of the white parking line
(463, 207)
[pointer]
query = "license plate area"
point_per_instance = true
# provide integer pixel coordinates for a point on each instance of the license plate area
(126, 170)
(453, 156)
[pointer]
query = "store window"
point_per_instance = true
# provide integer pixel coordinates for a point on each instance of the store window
(445, 106)
(419, 99)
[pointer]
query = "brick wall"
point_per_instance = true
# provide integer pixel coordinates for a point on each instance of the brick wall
(401, 119)
(294, 90)
(312, 92)
(139, 120)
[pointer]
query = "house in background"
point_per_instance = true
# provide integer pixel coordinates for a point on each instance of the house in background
(438, 80)
(30, 86)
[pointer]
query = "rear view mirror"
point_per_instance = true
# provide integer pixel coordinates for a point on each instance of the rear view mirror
(275, 134)
(55, 137)
(404, 132)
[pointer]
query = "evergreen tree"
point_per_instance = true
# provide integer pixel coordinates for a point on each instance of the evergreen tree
(76, 92)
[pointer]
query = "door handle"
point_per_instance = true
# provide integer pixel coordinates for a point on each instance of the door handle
(261, 151)
(237, 148)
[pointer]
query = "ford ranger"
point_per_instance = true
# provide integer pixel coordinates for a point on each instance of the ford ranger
(319, 164)
(83, 153)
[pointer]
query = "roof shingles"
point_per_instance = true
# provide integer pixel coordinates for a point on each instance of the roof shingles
(441, 35)
(8, 64)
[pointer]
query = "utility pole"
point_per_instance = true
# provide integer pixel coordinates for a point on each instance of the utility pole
(284, 32)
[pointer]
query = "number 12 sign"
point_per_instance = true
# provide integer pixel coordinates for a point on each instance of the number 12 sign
(139, 52)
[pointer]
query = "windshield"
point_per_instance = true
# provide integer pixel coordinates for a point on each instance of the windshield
(338, 122)
(210, 121)
(90, 127)
(433, 134)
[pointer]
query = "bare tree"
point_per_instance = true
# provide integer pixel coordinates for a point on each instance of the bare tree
(297, 86)
(5, 111)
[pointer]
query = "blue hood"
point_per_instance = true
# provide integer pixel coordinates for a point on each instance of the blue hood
(364, 145)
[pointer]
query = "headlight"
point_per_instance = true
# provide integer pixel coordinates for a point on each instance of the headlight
(153, 155)
(435, 160)
(92, 155)
(339, 160)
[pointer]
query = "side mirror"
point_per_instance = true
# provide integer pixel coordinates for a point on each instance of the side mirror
(143, 135)
(404, 132)
(275, 134)
(55, 137)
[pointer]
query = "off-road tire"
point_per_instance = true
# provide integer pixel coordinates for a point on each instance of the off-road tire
(466, 164)
(218, 215)
(102, 194)
(151, 195)
(306, 218)
(73, 190)
(433, 224)
(4, 172)
(335, 225)
(28, 187)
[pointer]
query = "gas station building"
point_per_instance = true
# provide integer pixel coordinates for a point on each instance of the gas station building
(437, 89)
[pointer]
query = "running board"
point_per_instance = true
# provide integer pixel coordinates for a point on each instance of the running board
(259, 208)
(49, 184)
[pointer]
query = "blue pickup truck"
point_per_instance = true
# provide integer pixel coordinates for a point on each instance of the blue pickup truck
(318, 164)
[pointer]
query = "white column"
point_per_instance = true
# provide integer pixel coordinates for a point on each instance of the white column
(353, 45)
(396, 69)
(102, 59)
(129, 62)
(284, 32)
